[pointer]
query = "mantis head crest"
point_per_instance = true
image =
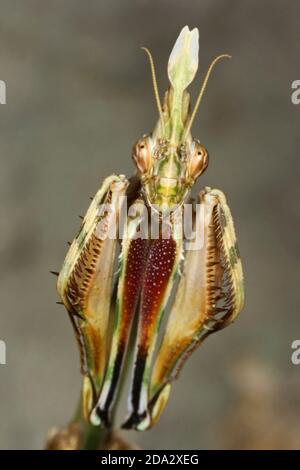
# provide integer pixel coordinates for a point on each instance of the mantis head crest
(170, 160)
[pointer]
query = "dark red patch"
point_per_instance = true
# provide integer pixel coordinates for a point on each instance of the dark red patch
(160, 264)
(161, 258)
(134, 274)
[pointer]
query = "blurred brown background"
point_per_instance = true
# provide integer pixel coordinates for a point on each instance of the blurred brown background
(78, 96)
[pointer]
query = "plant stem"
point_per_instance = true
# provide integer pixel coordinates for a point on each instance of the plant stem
(94, 437)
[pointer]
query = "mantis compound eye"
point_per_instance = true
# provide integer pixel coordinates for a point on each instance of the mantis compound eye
(142, 155)
(198, 161)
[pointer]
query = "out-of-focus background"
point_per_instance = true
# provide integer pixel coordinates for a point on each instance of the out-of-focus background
(78, 96)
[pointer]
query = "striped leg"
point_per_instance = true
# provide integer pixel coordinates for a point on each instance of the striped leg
(85, 283)
(162, 264)
(209, 297)
(132, 266)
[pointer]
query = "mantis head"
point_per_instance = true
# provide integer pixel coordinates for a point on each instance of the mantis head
(170, 160)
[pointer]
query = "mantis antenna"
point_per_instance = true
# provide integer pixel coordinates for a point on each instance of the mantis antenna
(202, 89)
(155, 87)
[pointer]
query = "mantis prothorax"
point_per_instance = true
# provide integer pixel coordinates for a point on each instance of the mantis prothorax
(209, 286)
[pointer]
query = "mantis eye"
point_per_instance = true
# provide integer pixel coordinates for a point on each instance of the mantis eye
(142, 155)
(198, 161)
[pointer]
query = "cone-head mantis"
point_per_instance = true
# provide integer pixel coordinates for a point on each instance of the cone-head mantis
(208, 279)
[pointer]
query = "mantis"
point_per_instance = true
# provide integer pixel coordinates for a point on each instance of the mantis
(202, 288)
